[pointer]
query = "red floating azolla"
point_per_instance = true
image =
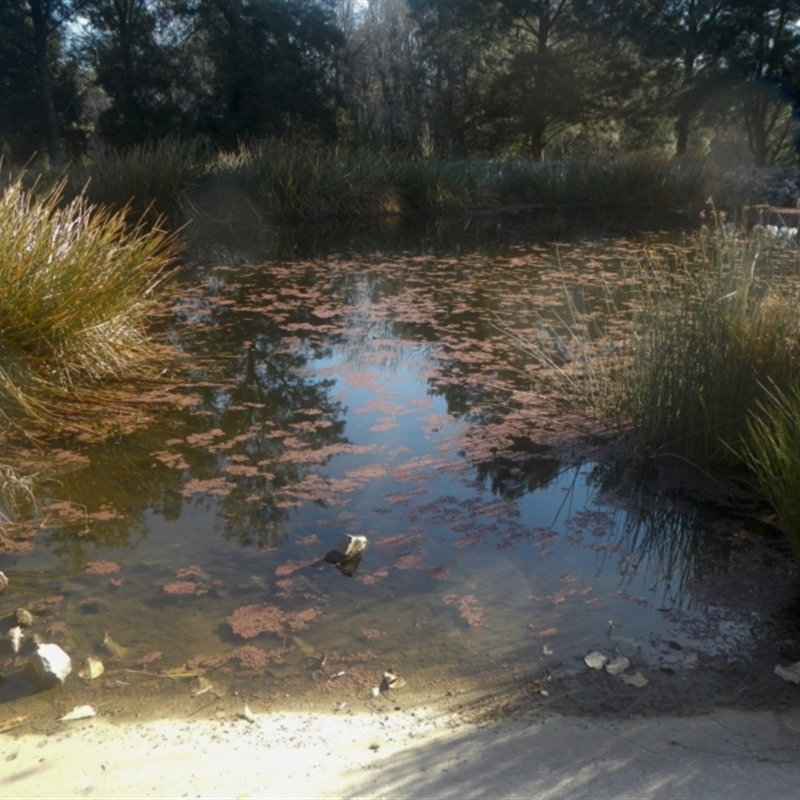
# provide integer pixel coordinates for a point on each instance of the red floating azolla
(101, 568)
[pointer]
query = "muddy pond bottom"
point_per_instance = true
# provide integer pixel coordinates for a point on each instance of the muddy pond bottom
(359, 399)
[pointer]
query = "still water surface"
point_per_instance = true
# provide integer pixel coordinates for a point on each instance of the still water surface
(372, 389)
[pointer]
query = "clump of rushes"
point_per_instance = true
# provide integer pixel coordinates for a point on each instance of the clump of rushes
(637, 181)
(153, 179)
(77, 288)
(716, 326)
(773, 455)
(313, 180)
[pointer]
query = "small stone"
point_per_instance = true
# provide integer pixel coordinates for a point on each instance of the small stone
(48, 666)
(351, 546)
(617, 665)
(638, 680)
(392, 681)
(114, 649)
(790, 673)
(24, 617)
(595, 660)
(3, 582)
(92, 668)
(15, 637)
(79, 712)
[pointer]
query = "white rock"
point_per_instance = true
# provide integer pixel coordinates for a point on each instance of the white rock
(15, 636)
(92, 668)
(79, 712)
(638, 680)
(617, 665)
(791, 673)
(351, 546)
(3, 582)
(48, 666)
(595, 660)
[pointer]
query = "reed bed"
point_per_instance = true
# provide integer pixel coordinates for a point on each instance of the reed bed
(696, 340)
(637, 181)
(307, 180)
(717, 325)
(78, 286)
(151, 180)
(305, 183)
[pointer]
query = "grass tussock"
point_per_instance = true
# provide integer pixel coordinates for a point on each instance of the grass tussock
(78, 286)
(701, 361)
(151, 180)
(714, 329)
(773, 454)
(690, 338)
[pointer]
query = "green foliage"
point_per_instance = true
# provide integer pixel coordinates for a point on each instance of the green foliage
(305, 181)
(140, 67)
(714, 330)
(773, 454)
(309, 179)
(77, 289)
(147, 179)
(636, 181)
(267, 68)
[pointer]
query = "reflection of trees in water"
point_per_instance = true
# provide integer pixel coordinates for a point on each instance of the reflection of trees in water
(249, 334)
(519, 470)
(669, 538)
(266, 406)
(440, 234)
(253, 407)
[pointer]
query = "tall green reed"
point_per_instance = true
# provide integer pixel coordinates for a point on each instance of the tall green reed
(713, 330)
(772, 452)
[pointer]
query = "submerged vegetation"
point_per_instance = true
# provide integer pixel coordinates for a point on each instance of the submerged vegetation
(78, 286)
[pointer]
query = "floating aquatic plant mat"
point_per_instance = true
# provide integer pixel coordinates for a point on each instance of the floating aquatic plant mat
(388, 397)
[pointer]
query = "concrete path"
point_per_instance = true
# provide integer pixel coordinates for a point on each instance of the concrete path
(727, 754)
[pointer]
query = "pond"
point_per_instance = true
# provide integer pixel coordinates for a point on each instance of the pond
(367, 383)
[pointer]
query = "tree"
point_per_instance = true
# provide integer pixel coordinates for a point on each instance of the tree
(458, 54)
(763, 61)
(267, 67)
(685, 42)
(135, 50)
(31, 51)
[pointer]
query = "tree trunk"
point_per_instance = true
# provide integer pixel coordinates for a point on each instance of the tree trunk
(682, 134)
(40, 34)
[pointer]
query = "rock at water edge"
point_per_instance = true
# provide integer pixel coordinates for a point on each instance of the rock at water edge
(48, 666)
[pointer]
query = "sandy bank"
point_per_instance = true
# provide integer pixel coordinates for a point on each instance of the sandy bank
(729, 754)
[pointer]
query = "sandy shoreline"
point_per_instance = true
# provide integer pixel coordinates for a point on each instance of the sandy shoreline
(407, 753)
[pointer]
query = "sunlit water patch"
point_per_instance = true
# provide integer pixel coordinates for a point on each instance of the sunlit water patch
(374, 397)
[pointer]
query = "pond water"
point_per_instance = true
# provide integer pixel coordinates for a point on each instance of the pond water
(374, 386)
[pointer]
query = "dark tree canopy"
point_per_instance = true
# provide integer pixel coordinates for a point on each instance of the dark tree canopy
(451, 78)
